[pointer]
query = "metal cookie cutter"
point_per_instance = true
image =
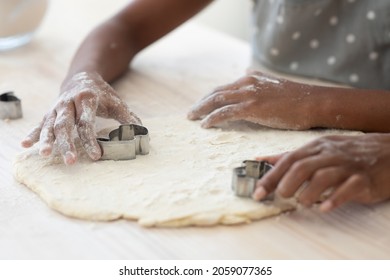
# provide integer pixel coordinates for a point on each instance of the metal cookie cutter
(10, 106)
(245, 176)
(125, 142)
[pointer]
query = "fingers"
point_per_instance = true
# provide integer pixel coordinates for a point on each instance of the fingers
(350, 189)
(303, 171)
(244, 91)
(63, 131)
(83, 97)
(88, 106)
(323, 179)
(284, 163)
(229, 87)
(126, 116)
(42, 133)
(111, 106)
(86, 116)
(227, 113)
(47, 138)
(339, 167)
(270, 181)
(32, 137)
(311, 178)
(215, 101)
(58, 129)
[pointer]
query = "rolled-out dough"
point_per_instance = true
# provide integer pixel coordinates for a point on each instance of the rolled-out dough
(185, 180)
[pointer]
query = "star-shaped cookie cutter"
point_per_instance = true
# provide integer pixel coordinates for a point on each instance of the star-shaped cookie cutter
(245, 176)
(125, 142)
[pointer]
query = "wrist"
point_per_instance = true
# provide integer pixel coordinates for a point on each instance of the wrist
(310, 110)
(324, 106)
(79, 77)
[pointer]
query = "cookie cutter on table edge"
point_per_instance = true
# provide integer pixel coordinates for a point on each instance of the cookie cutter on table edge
(10, 106)
(125, 142)
(245, 177)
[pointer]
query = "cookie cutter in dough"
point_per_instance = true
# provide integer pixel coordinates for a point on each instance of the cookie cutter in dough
(125, 142)
(10, 106)
(245, 177)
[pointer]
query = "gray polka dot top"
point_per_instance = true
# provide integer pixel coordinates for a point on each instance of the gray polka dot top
(344, 41)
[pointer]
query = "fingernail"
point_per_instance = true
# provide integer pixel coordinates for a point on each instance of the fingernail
(205, 124)
(326, 206)
(26, 143)
(191, 116)
(96, 154)
(260, 193)
(93, 150)
(69, 158)
(45, 150)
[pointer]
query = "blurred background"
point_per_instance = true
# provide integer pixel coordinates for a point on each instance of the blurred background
(19, 19)
(230, 16)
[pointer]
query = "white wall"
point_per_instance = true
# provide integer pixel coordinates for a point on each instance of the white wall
(230, 16)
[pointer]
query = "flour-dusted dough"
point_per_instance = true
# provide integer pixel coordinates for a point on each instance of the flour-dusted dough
(185, 180)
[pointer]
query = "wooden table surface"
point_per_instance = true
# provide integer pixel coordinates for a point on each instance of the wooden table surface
(167, 78)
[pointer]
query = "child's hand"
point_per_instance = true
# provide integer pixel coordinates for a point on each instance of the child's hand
(258, 98)
(351, 168)
(84, 96)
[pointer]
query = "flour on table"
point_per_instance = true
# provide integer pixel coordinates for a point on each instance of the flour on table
(185, 180)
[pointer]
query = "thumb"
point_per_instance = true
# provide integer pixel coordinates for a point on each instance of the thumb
(125, 116)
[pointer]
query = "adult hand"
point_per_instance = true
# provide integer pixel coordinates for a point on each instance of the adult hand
(351, 168)
(257, 98)
(84, 96)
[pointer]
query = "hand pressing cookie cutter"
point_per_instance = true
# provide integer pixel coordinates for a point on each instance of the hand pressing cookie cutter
(10, 106)
(245, 176)
(125, 142)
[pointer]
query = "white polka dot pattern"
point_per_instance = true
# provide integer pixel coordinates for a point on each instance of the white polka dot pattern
(331, 60)
(350, 38)
(314, 44)
(333, 21)
(343, 37)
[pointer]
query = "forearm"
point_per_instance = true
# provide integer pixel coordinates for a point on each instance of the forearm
(354, 109)
(110, 47)
(107, 50)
